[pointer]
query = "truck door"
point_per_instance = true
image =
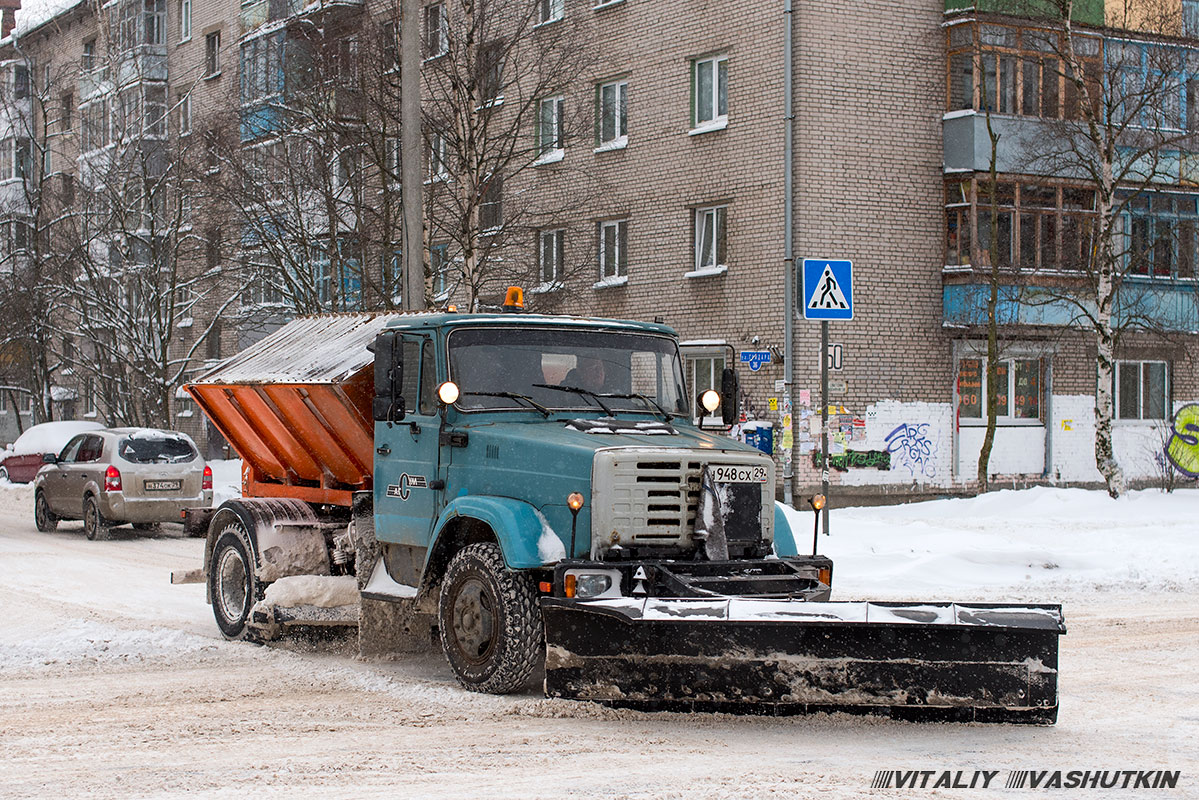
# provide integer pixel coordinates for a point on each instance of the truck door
(407, 497)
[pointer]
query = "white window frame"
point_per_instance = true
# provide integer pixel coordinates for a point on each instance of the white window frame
(435, 48)
(438, 167)
(549, 116)
(1008, 419)
(185, 21)
(619, 104)
(185, 114)
(553, 244)
(618, 249)
(718, 118)
(707, 259)
(550, 10)
(1122, 366)
(212, 54)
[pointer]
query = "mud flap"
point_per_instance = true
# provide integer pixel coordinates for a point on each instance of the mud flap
(942, 661)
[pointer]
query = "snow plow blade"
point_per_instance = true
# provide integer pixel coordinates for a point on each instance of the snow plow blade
(922, 661)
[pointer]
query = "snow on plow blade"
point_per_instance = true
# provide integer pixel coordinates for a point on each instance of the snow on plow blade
(928, 661)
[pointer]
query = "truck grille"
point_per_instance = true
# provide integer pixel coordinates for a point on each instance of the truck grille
(648, 499)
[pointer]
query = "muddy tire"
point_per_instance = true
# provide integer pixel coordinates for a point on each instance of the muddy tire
(232, 584)
(43, 517)
(490, 621)
(95, 525)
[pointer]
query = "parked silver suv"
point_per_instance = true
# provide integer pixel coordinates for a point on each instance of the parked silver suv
(109, 477)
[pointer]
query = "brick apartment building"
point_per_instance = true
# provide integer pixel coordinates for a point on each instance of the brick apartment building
(678, 153)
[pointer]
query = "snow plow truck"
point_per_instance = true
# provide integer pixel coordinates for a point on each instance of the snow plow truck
(536, 490)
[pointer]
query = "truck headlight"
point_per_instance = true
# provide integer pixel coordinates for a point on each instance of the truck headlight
(588, 585)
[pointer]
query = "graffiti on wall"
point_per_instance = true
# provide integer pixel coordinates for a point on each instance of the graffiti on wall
(860, 459)
(1183, 447)
(913, 449)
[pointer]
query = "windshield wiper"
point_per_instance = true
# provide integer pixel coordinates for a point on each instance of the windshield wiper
(513, 395)
(649, 401)
(578, 390)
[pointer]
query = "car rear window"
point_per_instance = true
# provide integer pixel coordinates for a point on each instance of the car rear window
(158, 450)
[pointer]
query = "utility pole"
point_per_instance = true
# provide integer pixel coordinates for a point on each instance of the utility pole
(411, 156)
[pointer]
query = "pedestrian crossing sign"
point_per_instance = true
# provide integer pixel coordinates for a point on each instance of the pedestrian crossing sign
(827, 289)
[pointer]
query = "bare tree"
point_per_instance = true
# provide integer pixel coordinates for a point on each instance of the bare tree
(501, 100)
(1119, 122)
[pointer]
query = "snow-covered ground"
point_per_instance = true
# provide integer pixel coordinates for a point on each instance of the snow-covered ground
(114, 683)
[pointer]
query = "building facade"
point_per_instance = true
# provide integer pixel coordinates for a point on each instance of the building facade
(644, 178)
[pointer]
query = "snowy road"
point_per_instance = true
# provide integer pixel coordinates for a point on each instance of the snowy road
(113, 683)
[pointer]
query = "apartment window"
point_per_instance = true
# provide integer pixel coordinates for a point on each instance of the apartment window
(613, 249)
(1159, 231)
(1037, 227)
(612, 100)
(183, 108)
(212, 152)
(156, 110)
(68, 110)
(437, 30)
(1190, 17)
(490, 72)
(1142, 389)
(439, 267)
(710, 238)
(439, 165)
(1018, 395)
(550, 140)
(709, 92)
(551, 249)
(20, 81)
(551, 10)
(491, 208)
(16, 158)
(1017, 71)
(89, 396)
(95, 124)
(88, 61)
(185, 20)
(212, 54)
(15, 235)
(390, 45)
(262, 68)
(391, 161)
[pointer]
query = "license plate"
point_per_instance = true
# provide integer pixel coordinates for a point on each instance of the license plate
(735, 474)
(163, 486)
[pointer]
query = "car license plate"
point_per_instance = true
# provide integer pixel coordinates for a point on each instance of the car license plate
(727, 473)
(163, 486)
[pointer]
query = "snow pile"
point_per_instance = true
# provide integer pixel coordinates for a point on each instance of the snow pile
(84, 641)
(322, 591)
(1036, 542)
(49, 437)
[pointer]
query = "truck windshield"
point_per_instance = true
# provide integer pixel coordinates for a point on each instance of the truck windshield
(566, 369)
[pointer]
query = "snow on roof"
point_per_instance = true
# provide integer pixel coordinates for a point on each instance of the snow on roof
(34, 13)
(50, 437)
(328, 348)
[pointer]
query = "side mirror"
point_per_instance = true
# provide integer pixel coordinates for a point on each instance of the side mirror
(730, 410)
(389, 376)
(49, 458)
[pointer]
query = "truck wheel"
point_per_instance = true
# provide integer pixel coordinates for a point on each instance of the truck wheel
(490, 621)
(45, 520)
(231, 581)
(95, 525)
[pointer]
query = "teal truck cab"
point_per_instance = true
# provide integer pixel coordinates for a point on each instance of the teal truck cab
(540, 488)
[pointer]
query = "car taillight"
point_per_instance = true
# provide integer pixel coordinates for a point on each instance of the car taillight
(112, 479)
(206, 481)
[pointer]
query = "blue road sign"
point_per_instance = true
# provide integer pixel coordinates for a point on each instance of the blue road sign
(755, 358)
(827, 289)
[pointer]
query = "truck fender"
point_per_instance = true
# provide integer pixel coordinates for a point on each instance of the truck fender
(784, 537)
(285, 535)
(513, 524)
